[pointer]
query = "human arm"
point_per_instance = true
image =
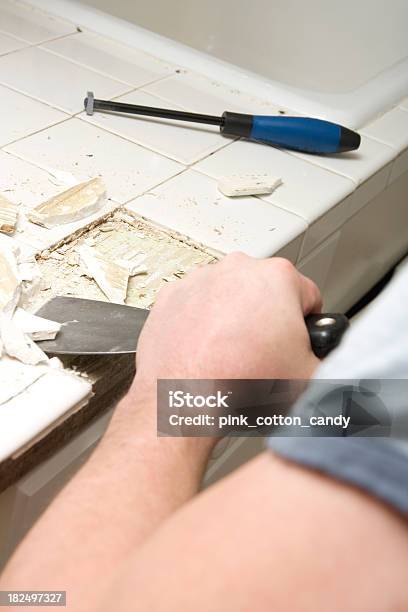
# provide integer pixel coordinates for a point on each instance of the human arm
(241, 318)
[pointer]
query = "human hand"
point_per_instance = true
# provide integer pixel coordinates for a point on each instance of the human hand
(239, 318)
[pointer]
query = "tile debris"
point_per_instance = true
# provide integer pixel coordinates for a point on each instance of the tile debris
(37, 328)
(236, 185)
(9, 282)
(14, 341)
(8, 216)
(110, 276)
(71, 205)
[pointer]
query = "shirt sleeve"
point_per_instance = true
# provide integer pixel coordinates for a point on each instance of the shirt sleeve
(373, 352)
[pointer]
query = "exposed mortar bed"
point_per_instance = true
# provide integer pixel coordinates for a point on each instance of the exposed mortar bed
(165, 258)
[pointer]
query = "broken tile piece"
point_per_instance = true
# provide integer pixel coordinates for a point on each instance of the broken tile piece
(71, 205)
(8, 216)
(10, 287)
(237, 185)
(37, 328)
(19, 345)
(15, 377)
(111, 277)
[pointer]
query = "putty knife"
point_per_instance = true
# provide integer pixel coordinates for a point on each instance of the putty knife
(91, 327)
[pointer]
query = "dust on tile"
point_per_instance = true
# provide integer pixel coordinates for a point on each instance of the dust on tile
(119, 238)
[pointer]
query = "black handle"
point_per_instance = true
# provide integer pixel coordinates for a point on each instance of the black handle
(326, 331)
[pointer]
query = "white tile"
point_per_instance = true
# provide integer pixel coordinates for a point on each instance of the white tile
(400, 166)
(24, 115)
(37, 407)
(391, 128)
(306, 190)
(190, 205)
(8, 44)
(357, 165)
(199, 94)
(87, 151)
(404, 104)
(369, 189)
(292, 249)
(318, 263)
(184, 142)
(23, 182)
(318, 231)
(28, 185)
(55, 80)
(30, 24)
(111, 58)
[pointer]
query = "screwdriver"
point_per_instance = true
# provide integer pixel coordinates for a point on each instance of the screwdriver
(298, 133)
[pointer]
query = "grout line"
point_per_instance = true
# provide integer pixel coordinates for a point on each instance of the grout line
(13, 36)
(46, 127)
(27, 45)
(148, 147)
(92, 69)
(24, 93)
(30, 45)
(135, 143)
(388, 144)
(181, 170)
(71, 61)
(159, 184)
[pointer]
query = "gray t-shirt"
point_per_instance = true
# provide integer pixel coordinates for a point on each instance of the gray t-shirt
(374, 351)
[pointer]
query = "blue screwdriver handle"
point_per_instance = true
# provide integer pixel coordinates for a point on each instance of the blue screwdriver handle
(298, 133)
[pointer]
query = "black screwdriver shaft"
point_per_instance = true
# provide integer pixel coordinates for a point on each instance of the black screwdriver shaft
(165, 113)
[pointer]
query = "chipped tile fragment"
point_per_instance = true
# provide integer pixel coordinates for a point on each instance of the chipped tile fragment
(19, 345)
(72, 205)
(111, 277)
(37, 328)
(8, 216)
(10, 284)
(236, 185)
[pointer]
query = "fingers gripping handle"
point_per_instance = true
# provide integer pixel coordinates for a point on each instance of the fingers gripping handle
(326, 331)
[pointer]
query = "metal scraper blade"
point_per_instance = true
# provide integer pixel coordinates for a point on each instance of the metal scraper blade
(91, 327)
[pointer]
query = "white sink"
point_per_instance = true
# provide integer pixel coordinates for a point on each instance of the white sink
(346, 61)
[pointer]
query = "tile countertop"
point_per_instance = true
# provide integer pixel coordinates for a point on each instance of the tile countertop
(165, 172)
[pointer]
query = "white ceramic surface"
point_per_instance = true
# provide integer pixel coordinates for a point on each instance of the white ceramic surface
(209, 96)
(10, 43)
(181, 141)
(55, 80)
(318, 263)
(87, 151)
(111, 58)
(29, 24)
(309, 75)
(306, 190)
(191, 205)
(391, 128)
(33, 410)
(356, 165)
(23, 116)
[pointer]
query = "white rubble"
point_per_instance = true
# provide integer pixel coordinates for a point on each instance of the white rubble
(111, 277)
(37, 328)
(71, 205)
(236, 185)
